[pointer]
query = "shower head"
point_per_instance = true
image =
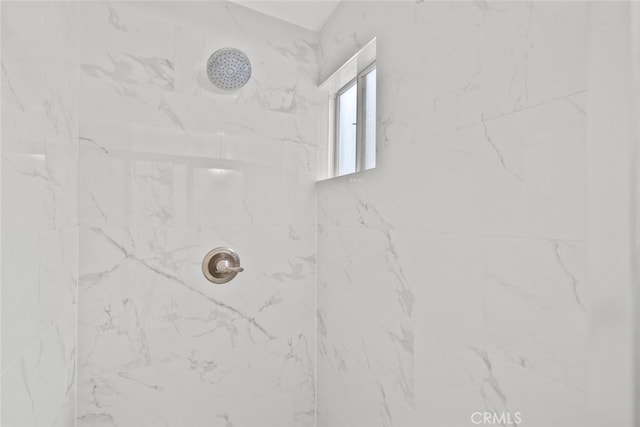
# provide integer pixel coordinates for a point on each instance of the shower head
(229, 68)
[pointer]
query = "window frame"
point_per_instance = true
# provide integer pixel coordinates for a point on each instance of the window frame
(336, 130)
(360, 81)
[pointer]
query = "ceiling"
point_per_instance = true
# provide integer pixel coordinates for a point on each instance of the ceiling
(310, 14)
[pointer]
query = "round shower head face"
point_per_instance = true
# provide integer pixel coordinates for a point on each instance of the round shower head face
(229, 68)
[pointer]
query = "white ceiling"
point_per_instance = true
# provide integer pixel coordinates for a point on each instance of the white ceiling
(310, 14)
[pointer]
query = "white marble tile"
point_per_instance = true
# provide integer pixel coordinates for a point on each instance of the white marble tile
(144, 304)
(457, 380)
(256, 178)
(24, 32)
(40, 105)
(148, 104)
(518, 175)
(126, 49)
(524, 299)
(380, 198)
(356, 23)
(36, 114)
(103, 194)
(365, 329)
(179, 261)
(446, 82)
(481, 189)
(211, 391)
(543, 58)
(39, 273)
(283, 82)
(535, 306)
(57, 258)
(20, 296)
(66, 415)
(140, 188)
(60, 40)
(39, 199)
(39, 385)
(127, 61)
(162, 154)
(39, 190)
(22, 40)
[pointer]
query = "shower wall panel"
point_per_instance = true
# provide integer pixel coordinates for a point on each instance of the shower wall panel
(39, 147)
(451, 278)
(171, 168)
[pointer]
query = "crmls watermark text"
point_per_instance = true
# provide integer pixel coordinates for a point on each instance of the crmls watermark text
(502, 418)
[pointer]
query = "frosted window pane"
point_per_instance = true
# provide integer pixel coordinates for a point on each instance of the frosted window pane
(370, 120)
(347, 131)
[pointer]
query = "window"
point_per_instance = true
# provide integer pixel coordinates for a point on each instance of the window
(351, 126)
(355, 124)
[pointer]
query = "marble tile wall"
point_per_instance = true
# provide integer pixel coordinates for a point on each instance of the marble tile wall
(170, 168)
(452, 278)
(39, 217)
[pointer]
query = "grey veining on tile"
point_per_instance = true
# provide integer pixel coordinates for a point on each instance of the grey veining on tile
(454, 281)
(189, 169)
(39, 221)
(450, 279)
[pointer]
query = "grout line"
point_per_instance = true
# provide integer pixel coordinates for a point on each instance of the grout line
(499, 116)
(453, 233)
(539, 104)
(315, 314)
(77, 321)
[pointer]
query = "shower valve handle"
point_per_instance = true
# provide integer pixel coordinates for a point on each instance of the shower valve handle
(223, 266)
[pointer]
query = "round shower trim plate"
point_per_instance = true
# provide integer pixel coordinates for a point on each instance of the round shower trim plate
(229, 68)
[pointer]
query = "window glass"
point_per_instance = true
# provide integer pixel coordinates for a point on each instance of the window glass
(370, 120)
(347, 125)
